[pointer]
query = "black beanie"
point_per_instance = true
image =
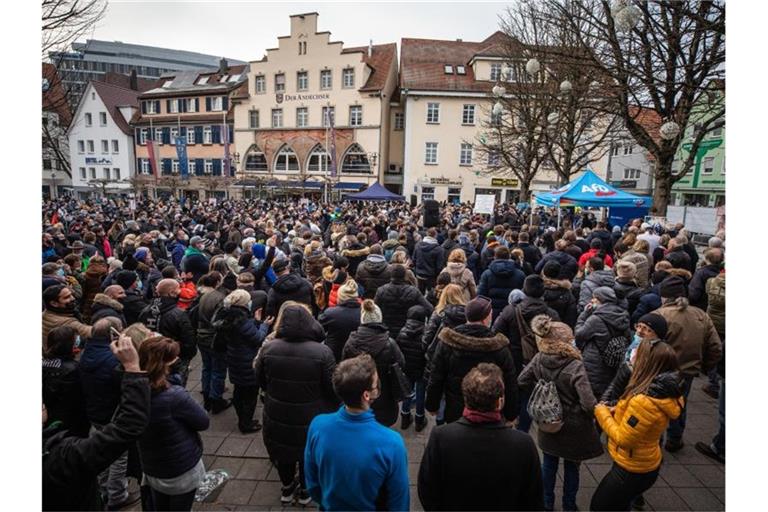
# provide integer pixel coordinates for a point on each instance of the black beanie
(125, 278)
(533, 286)
(672, 287)
(658, 276)
(398, 272)
(551, 269)
(657, 323)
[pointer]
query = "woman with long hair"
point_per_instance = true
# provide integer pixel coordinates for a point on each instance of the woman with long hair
(449, 311)
(460, 274)
(171, 448)
(651, 399)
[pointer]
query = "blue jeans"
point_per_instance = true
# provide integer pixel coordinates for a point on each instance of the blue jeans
(523, 418)
(214, 373)
(718, 443)
(677, 427)
(549, 465)
(418, 391)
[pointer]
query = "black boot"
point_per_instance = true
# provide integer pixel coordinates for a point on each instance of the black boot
(219, 404)
(254, 426)
(406, 420)
(421, 423)
(206, 403)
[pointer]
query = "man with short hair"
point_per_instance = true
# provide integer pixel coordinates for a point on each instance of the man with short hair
(108, 304)
(133, 302)
(214, 371)
(351, 462)
(697, 288)
(427, 261)
(60, 310)
(462, 468)
(195, 260)
(289, 286)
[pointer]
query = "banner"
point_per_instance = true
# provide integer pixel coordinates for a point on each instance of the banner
(225, 171)
(152, 150)
(181, 152)
(333, 144)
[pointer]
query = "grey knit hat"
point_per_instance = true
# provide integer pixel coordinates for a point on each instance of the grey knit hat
(370, 313)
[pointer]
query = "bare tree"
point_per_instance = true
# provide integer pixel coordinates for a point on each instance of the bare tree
(658, 54)
(63, 21)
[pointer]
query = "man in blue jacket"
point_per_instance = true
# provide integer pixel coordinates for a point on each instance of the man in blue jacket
(351, 461)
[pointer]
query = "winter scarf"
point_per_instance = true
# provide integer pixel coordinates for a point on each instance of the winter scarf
(481, 417)
(192, 250)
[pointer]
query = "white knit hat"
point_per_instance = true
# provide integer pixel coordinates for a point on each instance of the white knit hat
(370, 313)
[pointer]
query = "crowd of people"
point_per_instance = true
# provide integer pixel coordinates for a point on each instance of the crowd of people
(343, 319)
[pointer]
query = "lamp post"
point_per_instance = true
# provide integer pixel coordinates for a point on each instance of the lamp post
(53, 185)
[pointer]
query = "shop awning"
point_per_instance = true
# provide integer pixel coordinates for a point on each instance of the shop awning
(348, 186)
(296, 184)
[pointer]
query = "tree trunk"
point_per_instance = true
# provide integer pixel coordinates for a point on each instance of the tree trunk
(525, 192)
(662, 188)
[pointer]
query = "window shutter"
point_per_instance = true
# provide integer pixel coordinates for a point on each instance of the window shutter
(166, 135)
(157, 106)
(168, 106)
(143, 107)
(216, 166)
(199, 166)
(197, 104)
(231, 137)
(225, 103)
(198, 134)
(166, 165)
(216, 134)
(208, 104)
(183, 132)
(183, 105)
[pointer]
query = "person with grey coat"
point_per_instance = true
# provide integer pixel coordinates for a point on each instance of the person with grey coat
(596, 276)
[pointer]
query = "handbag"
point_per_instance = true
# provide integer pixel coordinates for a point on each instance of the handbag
(399, 383)
(615, 350)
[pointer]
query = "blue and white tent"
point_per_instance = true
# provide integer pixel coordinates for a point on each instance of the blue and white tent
(589, 190)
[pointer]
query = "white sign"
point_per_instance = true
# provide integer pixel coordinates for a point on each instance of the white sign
(485, 204)
(132, 204)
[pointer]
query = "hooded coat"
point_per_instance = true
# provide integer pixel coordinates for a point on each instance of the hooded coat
(395, 299)
(411, 345)
(507, 324)
(133, 304)
(451, 317)
(104, 306)
(498, 280)
(339, 322)
(627, 290)
(288, 287)
(372, 274)
(591, 283)
(697, 289)
(374, 339)
(174, 323)
(458, 351)
(693, 336)
(462, 276)
(93, 276)
(558, 296)
(243, 337)
(427, 258)
(568, 264)
(594, 329)
(314, 264)
(561, 363)
(642, 264)
(63, 395)
(355, 253)
(294, 370)
(638, 422)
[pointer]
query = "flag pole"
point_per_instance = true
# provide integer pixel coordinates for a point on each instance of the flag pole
(175, 142)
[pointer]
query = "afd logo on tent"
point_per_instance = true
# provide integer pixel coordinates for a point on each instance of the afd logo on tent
(598, 190)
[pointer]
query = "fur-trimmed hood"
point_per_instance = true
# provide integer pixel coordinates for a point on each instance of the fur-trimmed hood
(686, 275)
(461, 341)
(549, 346)
(328, 273)
(355, 253)
(556, 283)
(105, 300)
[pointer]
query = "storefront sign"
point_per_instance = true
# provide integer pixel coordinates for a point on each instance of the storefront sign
(624, 183)
(504, 182)
(306, 97)
(98, 160)
(441, 181)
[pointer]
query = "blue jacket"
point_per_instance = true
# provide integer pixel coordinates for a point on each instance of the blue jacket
(649, 302)
(501, 277)
(351, 458)
(101, 381)
(177, 253)
(47, 253)
(171, 445)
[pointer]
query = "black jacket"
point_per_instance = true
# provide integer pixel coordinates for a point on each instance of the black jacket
(697, 289)
(133, 305)
(558, 296)
(295, 371)
(462, 469)
(458, 351)
(569, 266)
(104, 306)
(410, 341)
(447, 247)
(507, 324)
(628, 293)
(496, 283)
(63, 395)
(452, 316)
(395, 299)
(173, 323)
(71, 464)
(679, 258)
(202, 313)
(605, 237)
(427, 259)
(288, 287)
(374, 339)
(594, 329)
(339, 322)
(372, 275)
(531, 253)
(242, 336)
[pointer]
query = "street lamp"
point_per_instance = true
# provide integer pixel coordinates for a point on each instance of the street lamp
(669, 130)
(625, 15)
(532, 66)
(53, 184)
(566, 86)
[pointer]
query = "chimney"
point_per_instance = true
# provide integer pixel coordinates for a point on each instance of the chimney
(459, 41)
(370, 47)
(223, 66)
(133, 81)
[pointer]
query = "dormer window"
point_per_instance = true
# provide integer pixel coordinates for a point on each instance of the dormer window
(448, 69)
(202, 80)
(167, 84)
(223, 79)
(461, 70)
(234, 78)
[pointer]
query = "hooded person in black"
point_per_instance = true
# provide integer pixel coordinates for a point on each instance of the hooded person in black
(373, 273)
(410, 342)
(558, 294)
(289, 286)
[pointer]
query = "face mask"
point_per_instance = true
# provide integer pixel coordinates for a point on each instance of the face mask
(139, 285)
(61, 272)
(250, 305)
(78, 341)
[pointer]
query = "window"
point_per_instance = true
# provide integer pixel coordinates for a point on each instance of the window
(280, 82)
(631, 174)
(261, 84)
(107, 174)
(191, 166)
(461, 70)
(302, 81)
(207, 135)
(167, 84)
(253, 118)
(150, 107)
(494, 159)
(465, 157)
(427, 193)
(399, 120)
(356, 161)
(81, 146)
(325, 79)
(454, 195)
(286, 160)
(174, 166)
(709, 165)
(433, 113)
(256, 161)
(158, 135)
(90, 147)
(348, 78)
(223, 79)
(448, 69)
(468, 114)
(355, 115)
(88, 119)
(234, 78)
(190, 135)
(174, 104)
(115, 146)
(615, 151)
(277, 118)
(47, 164)
(174, 134)
(217, 104)
(329, 115)
(191, 104)
(92, 172)
(302, 47)
(145, 166)
(319, 160)
(82, 173)
(430, 154)
(104, 146)
(302, 117)
(495, 71)
(628, 149)
(393, 169)
(202, 80)
(116, 174)
(103, 118)
(717, 132)
(208, 167)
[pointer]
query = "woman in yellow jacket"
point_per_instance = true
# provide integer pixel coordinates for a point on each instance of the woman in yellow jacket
(634, 427)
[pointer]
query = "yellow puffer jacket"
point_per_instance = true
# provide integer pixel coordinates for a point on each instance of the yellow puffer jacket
(637, 424)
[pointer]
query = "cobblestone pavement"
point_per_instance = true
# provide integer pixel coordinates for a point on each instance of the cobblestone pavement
(688, 480)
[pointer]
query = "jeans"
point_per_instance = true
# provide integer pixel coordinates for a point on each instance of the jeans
(440, 418)
(676, 427)
(171, 502)
(718, 442)
(113, 480)
(287, 472)
(549, 465)
(418, 391)
(214, 373)
(523, 418)
(244, 400)
(619, 487)
(426, 283)
(181, 367)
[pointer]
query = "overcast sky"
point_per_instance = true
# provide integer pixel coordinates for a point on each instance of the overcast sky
(243, 30)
